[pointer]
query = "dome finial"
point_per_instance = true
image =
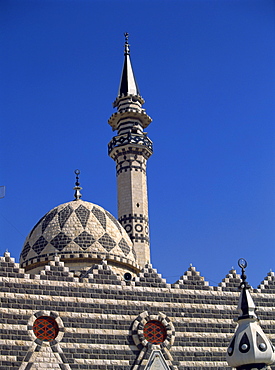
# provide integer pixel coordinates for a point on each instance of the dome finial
(126, 45)
(77, 188)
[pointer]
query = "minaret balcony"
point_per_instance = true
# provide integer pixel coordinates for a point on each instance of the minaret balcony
(134, 139)
(116, 117)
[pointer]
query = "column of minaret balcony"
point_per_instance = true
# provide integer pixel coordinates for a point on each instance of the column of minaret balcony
(130, 149)
(249, 348)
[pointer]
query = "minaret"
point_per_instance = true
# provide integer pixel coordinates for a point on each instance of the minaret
(130, 149)
(249, 349)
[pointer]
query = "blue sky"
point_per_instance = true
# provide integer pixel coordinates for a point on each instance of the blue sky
(206, 71)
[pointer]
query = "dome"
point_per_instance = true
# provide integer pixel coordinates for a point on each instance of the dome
(79, 232)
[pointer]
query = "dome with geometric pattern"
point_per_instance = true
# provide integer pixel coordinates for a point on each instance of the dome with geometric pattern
(77, 231)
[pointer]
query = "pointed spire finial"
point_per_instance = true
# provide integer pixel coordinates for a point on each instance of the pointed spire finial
(246, 305)
(243, 265)
(126, 45)
(128, 85)
(77, 188)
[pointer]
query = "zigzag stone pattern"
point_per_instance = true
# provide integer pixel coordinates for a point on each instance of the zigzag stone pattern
(98, 316)
(73, 229)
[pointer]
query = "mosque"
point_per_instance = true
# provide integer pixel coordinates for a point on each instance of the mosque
(85, 296)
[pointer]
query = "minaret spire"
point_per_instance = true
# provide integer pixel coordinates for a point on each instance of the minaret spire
(131, 148)
(128, 84)
(250, 348)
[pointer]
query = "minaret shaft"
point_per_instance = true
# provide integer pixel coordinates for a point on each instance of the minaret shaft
(133, 200)
(131, 162)
(130, 151)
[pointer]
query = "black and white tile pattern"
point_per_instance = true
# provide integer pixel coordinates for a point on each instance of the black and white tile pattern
(77, 227)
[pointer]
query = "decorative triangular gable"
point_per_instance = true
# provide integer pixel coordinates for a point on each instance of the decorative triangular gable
(43, 353)
(157, 362)
(9, 268)
(101, 274)
(231, 282)
(192, 280)
(56, 270)
(268, 284)
(147, 357)
(149, 277)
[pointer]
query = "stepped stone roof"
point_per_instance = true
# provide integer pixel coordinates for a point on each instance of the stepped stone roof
(77, 230)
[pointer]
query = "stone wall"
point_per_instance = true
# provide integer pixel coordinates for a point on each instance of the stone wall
(101, 318)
